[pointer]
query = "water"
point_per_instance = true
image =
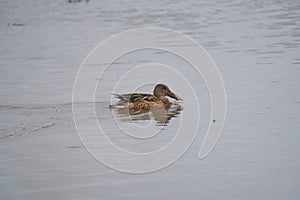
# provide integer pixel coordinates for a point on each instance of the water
(256, 47)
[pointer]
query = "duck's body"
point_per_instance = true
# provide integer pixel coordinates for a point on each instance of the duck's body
(143, 101)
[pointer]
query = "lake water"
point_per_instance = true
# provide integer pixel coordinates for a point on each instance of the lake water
(256, 46)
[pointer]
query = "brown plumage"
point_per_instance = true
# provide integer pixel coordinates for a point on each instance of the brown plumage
(142, 101)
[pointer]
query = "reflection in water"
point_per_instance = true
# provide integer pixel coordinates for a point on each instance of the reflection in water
(141, 106)
(161, 115)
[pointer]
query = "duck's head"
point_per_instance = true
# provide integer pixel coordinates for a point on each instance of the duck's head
(162, 90)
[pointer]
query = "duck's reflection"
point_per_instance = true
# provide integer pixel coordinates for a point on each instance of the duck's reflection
(161, 115)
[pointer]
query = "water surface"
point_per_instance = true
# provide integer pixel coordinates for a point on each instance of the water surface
(256, 45)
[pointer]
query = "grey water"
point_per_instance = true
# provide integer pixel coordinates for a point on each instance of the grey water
(256, 46)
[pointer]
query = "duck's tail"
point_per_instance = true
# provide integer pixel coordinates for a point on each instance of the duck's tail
(123, 100)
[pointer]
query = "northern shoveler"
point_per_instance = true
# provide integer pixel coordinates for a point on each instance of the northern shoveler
(140, 101)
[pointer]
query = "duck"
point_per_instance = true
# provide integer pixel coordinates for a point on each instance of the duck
(142, 101)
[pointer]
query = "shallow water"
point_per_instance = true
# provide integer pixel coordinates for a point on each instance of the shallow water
(255, 44)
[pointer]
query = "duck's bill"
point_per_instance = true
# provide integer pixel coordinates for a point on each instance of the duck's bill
(174, 96)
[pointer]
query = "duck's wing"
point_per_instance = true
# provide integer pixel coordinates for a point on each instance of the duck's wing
(134, 97)
(123, 100)
(123, 97)
(140, 97)
(148, 98)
